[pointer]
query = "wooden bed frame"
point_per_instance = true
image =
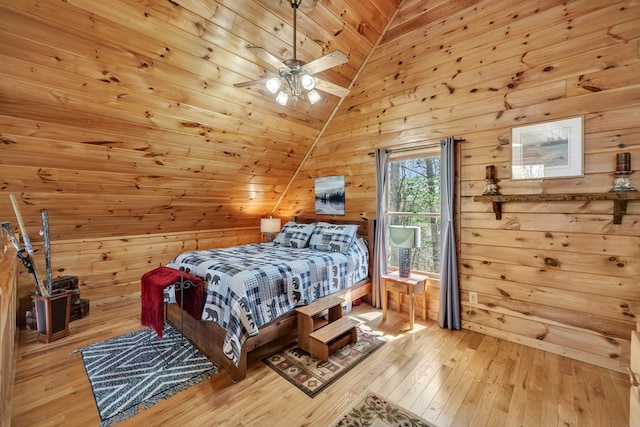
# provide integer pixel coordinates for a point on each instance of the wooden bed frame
(208, 336)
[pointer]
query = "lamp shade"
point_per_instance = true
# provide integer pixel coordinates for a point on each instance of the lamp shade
(307, 82)
(270, 225)
(313, 96)
(404, 237)
(282, 98)
(273, 84)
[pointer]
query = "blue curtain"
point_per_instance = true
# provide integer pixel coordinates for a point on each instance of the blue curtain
(449, 288)
(380, 249)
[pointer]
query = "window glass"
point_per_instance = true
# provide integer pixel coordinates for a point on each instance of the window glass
(413, 196)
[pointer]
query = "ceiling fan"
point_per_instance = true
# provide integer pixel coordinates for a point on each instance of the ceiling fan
(295, 77)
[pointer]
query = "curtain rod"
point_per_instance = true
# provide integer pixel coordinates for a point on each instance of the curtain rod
(417, 147)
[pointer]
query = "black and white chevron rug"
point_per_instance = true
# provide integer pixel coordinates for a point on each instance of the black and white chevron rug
(138, 369)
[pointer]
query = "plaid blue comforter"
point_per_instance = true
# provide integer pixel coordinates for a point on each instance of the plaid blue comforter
(250, 285)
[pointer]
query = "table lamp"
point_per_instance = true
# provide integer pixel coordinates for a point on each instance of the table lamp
(404, 238)
(270, 225)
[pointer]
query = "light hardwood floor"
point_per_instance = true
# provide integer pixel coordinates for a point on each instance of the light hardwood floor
(451, 378)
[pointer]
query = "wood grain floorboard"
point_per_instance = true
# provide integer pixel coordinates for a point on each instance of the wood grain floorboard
(451, 378)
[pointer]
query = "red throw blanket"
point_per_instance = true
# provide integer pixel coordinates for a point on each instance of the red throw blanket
(152, 294)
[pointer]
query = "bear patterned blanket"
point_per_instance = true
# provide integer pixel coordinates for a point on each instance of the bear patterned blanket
(250, 285)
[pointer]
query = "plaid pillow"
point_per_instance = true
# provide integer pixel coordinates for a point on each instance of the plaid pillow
(294, 235)
(332, 237)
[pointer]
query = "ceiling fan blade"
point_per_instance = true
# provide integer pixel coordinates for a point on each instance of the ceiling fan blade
(251, 83)
(262, 53)
(324, 62)
(331, 88)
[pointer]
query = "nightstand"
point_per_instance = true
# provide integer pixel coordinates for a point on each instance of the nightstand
(409, 286)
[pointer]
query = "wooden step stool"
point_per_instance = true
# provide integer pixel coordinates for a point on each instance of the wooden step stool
(322, 337)
(332, 337)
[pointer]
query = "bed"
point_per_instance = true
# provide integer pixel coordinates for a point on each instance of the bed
(252, 290)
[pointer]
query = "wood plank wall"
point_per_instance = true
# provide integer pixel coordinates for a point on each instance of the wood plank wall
(110, 268)
(558, 276)
(115, 119)
(122, 121)
(8, 330)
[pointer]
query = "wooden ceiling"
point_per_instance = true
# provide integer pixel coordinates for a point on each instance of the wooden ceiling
(121, 117)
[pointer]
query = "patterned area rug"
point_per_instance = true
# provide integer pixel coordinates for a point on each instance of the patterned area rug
(138, 369)
(374, 411)
(312, 375)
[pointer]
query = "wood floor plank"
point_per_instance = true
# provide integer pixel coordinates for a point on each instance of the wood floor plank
(455, 378)
(455, 381)
(482, 392)
(566, 408)
(393, 377)
(597, 398)
(584, 400)
(616, 391)
(550, 390)
(493, 402)
(438, 375)
(475, 374)
(535, 388)
(517, 405)
(409, 379)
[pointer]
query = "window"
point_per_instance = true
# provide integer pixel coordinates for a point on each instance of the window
(413, 198)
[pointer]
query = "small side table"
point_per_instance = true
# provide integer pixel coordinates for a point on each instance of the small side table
(410, 286)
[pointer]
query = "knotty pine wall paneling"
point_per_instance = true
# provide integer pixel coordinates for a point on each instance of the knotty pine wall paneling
(122, 121)
(558, 276)
(109, 268)
(8, 330)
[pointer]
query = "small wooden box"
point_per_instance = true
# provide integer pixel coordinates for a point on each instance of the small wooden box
(67, 283)
(79, 309)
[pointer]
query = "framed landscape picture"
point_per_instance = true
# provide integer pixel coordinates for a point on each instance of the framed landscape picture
(547, 150)
(330, 195)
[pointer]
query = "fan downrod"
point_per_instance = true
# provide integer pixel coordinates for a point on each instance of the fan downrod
(294, 5)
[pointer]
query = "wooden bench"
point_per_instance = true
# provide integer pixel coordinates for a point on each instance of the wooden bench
(320, 336)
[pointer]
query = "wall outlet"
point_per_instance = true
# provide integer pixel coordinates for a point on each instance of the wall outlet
(473, 297)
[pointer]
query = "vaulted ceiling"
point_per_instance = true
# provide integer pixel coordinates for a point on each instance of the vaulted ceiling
(125, 112)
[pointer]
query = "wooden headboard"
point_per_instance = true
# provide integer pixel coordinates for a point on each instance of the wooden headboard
(366, 228)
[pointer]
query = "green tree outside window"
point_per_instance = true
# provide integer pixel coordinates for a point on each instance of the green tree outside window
(413, 196)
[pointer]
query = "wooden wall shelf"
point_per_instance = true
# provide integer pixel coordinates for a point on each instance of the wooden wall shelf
(619, 199)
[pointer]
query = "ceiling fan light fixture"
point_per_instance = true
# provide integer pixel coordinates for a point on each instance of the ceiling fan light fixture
(296, 77)
(308, 82)
(313, 96)
(273, 84)
(282, 98)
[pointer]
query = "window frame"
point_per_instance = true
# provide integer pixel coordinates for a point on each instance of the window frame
(434, 151)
